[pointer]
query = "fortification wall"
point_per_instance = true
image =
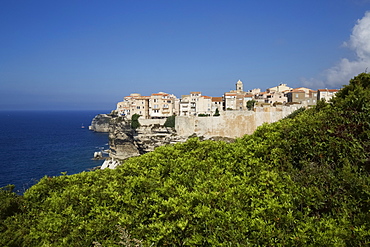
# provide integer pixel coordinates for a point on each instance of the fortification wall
(231, 123)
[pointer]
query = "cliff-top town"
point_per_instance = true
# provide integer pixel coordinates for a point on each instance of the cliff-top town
(163, 105)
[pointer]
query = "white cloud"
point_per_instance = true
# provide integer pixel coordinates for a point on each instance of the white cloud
(345, 69)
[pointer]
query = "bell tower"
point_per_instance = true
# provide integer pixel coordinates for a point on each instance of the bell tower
(239, 86)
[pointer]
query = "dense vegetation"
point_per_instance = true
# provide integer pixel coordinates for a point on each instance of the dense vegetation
(217, 113)
(303, 181)
(250, 104)
(135, 121)
(170, 122)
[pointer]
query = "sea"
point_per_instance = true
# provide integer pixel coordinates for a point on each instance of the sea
(34, 144)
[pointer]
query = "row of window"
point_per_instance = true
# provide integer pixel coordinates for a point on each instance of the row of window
(154, 106)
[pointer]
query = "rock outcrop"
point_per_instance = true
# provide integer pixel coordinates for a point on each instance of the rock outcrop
(125, 142)
(110, 163)
(101, 123)
(148, 137)
(121, 140)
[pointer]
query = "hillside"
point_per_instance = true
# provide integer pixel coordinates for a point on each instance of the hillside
(302, 181)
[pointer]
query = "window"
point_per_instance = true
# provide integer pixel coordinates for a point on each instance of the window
(296, 95)
(137, 107)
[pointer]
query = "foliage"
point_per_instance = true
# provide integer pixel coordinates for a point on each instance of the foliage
(170, 122)
(135, 121)
(217, 113)
(250, 104)
(10, 204)
(203, 115)
(295, 113)
(302, 181)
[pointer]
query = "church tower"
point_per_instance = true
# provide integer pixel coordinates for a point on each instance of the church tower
(239, 86)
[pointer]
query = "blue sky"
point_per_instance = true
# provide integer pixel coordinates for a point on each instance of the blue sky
(80, 55)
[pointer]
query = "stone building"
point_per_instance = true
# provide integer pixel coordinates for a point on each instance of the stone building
(237, 99)
(296, 96)
(134, 104)
(326, 94)
(217, 103)
(162, 105)
(188, 104)
(280, 88)
(303, 96)
(194, 104)
(158, 105)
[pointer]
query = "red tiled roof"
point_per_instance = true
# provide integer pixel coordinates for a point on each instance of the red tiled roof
(160, 94)
(216, 99)
(143, 97)
(329, 90)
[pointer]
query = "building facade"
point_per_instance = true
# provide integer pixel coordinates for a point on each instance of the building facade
(237, 99)
(158, 105)
(162, 105)
(134, 104)
(326, 94)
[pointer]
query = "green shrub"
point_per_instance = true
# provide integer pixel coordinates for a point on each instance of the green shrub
(250, 104)
(170, 122)
(302, 181)
(135, 121)
(217, 113)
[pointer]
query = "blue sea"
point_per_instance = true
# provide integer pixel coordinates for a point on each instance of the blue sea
(34, 144)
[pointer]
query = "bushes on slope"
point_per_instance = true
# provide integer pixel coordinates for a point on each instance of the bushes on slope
(301, 181)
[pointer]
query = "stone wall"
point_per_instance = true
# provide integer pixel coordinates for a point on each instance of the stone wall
(147, 122)
(231, 123)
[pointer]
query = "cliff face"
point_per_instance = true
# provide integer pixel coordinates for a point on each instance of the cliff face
(101, 123)
(148, 137)
(125, 142)
(121, 140)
